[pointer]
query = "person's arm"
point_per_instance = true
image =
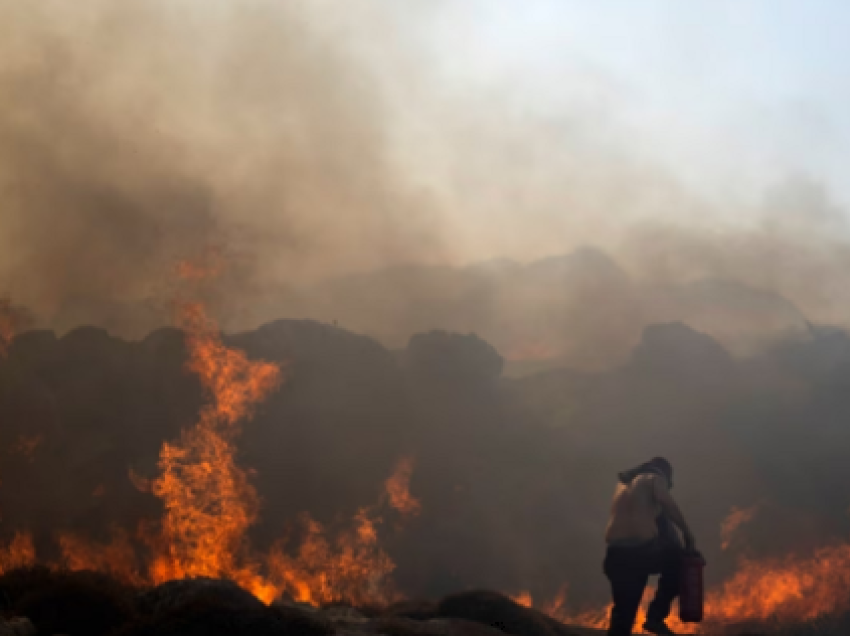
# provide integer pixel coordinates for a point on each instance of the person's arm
(671, 509)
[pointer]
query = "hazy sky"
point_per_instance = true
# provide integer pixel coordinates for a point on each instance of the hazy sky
(745, 90)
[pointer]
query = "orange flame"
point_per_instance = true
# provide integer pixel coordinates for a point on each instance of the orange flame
(398, 489)
(791, 590)
(19, 553)
(353, 567)
(209, 503)
(737, 517)
(524, 598)
(117, 557)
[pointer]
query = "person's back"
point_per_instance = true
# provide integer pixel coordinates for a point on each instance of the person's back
(634, 512)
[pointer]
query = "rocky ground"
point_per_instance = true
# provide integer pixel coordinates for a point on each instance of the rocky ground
(37, 601)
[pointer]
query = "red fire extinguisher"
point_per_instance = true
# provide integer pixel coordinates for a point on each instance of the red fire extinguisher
(691, 591)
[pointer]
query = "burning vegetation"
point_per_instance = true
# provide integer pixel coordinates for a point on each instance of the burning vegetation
(209, 503)
(210, 474)
(210, 506)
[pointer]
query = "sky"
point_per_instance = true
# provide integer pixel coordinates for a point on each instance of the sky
(739, 92)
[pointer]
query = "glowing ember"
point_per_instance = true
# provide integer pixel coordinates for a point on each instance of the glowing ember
(398, 489)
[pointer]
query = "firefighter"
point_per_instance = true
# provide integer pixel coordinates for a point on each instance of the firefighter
(642, 541)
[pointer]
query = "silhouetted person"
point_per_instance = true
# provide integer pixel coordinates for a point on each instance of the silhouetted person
(642, 542)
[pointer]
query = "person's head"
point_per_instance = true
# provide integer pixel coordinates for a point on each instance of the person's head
(665, 467)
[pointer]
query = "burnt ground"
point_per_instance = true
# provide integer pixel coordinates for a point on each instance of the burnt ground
(39, 601)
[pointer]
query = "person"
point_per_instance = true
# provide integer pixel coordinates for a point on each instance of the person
(642, 540)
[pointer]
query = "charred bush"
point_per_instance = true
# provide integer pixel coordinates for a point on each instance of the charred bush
(21, 581)
(75, 603)
(396, 626)
(172, 595)
(416, 610)
(496, 610)
(206, 617)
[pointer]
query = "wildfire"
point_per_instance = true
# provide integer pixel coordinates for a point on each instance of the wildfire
(791, 590)
(19, 553)
(117, 557)
(398, 489)
(209, 502)
(353, 567)
(737, 517)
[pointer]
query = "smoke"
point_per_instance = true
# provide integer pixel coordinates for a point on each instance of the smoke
(349, 169)
(134, 135)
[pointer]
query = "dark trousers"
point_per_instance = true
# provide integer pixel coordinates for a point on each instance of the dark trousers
(628, 570)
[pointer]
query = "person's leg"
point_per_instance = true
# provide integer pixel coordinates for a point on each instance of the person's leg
(627, 587)
(667, 590)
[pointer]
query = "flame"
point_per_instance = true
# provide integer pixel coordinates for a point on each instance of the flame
(524, 598)
(209, 502)
(398, 489)
(737, 517)
(19, 553)
(352, 568)
(791, 589)
(117, 557)
(558, 605)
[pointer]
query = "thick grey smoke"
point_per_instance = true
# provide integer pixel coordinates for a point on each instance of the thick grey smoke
(136, 135)
(347, 176)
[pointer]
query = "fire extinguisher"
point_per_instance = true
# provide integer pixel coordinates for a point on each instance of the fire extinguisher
(691, 591)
